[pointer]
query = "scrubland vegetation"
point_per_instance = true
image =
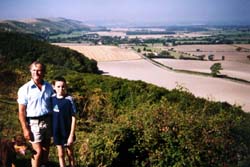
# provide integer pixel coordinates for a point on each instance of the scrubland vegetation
(122, 122)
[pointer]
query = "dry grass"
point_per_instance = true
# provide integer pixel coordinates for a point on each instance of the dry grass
(228, 51)
(177, 35)
(30, 20)
(236, 63)
(214, 89)
(103, 53)
(112, 33)
(247, 46)
(230, 68)
(122, 33)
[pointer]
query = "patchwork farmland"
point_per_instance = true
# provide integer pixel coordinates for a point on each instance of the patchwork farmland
(125, 63)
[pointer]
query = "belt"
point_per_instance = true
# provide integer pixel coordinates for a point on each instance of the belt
(43, 117)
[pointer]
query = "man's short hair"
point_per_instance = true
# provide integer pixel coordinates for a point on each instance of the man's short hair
(38, 62)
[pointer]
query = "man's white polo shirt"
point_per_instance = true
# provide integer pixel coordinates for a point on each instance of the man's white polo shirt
(37, 102)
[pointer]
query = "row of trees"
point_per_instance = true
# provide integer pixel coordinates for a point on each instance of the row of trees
(167, 41)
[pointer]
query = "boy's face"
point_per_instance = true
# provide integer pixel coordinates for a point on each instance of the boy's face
(60, 88)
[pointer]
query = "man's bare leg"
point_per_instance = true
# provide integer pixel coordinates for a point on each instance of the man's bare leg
(35, 160)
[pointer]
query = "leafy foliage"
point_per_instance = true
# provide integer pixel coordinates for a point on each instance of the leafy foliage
(215, 69)
(21, 50)
(131, 123)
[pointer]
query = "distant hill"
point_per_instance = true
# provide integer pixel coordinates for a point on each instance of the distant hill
(42, 26)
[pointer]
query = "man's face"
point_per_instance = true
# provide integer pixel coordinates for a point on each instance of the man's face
(37, 72)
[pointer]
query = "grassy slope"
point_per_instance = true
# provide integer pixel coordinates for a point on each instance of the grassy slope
(116, 114)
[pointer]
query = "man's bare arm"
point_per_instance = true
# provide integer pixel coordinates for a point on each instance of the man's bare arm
(22, 119)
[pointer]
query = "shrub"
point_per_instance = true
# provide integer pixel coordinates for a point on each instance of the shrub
(211, 57)
(162, 135)
(215, 69)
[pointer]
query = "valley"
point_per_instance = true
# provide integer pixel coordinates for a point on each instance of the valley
(133, 66)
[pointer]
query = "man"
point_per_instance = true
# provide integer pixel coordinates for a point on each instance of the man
(34, 103)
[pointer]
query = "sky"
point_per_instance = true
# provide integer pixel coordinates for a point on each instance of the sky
(131, 11)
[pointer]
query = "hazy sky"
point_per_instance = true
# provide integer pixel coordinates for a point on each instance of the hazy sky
(132, 11)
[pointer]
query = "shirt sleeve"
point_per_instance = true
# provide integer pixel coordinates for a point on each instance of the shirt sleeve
(22, 96)
(73, 105)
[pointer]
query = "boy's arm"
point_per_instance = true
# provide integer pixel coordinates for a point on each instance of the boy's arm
(72, 130)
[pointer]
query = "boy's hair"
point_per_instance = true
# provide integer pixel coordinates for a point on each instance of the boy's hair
(59, 79)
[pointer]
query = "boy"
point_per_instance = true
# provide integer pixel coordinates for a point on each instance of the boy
(63, 121)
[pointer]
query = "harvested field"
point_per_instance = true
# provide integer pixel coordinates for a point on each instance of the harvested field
(132, 67)
(206, 48)
(230, 68)
(122, 33)
(207, 87)
(177, 35)
(228, 51)
(246, 46)
(112, 33)
(103, 53)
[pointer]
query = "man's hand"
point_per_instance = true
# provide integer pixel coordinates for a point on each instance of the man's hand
(27, 134)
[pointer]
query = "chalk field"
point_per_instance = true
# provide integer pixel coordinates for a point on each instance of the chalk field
(102, 52)
(211, 88)
(233, 69)
(125, 63)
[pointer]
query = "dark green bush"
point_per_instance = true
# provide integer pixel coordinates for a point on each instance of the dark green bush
(21, 49)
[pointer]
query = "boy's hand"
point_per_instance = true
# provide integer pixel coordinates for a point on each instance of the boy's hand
(70, 141)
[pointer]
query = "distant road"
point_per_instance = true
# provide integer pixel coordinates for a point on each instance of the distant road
(215, 89)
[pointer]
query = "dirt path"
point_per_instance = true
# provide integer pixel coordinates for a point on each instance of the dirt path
(211, 88)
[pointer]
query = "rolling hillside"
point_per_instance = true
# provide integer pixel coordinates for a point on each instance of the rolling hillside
(126, 123)
(41, 26)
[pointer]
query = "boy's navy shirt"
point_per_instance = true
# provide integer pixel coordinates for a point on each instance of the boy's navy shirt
(63, 110)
